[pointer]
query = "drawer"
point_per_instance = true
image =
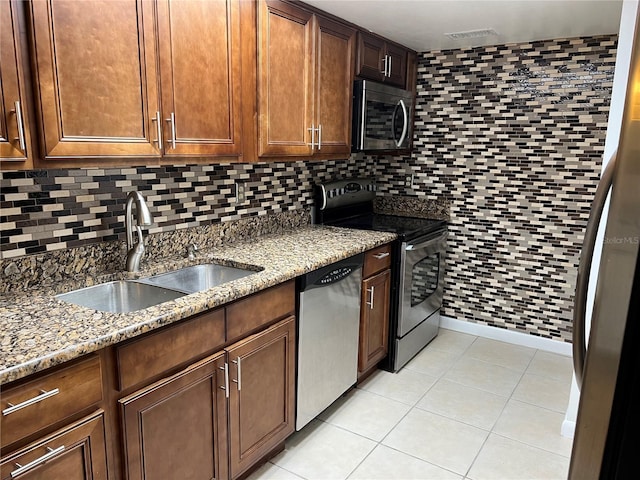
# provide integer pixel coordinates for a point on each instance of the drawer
(376, 260)
(76, 451)
(50, 399)
(154, 354)
(245, 316)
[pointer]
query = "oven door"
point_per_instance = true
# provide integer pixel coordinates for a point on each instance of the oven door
(421, 279)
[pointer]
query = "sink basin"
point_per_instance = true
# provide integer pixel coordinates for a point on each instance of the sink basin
(120, 296)
(197, 278)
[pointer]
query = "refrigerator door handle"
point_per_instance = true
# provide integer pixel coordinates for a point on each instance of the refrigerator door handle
(584, 269)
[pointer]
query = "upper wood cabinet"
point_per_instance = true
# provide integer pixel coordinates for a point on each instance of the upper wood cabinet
(200, 76)
(97, 73)
(381, 61)
(95, 67)
(334, 88)
(15, 134)
(304, 80)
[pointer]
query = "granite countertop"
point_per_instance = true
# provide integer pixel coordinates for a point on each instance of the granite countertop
(39, 331)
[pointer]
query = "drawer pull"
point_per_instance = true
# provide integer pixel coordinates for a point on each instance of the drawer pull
(24, 468)
(14, 408)
(380, 256)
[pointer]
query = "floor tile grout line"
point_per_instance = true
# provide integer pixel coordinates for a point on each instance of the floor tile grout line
(418, 458)
(286, 470)
(531, 446)
(511, 395)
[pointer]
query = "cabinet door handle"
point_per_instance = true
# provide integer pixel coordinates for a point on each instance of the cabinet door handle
(20, 122)
(313, 136)
(225, 387)
(239, 380)
(390, 60)
(172, 124)
(14, 408)
(319, 137)
(371, 294)
(382, 255)
(52, 452)
(384, 72)
(158, 130)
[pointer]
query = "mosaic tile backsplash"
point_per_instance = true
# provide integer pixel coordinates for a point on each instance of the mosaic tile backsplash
(48, 210)
(513, 137)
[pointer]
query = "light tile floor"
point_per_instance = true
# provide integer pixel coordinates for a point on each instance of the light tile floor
(466, 407)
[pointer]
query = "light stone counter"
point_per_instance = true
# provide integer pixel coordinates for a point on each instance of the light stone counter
(39, 331)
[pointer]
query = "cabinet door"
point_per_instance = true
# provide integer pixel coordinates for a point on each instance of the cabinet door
(176, 428)
(374, 320)
(334, 88)
(285, 79)
(76, 452)
(200, 75)
(371, 51)
(13, 127)
(398, 58)
(261, 406)
(95, 66)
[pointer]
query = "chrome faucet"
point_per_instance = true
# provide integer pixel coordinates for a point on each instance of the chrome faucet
(143, 218)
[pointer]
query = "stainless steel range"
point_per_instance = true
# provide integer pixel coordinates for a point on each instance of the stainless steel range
(417, 265)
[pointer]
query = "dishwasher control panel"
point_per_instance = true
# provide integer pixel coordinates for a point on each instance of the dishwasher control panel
(336, 275)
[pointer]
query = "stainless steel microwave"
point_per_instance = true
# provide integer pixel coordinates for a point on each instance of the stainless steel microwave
(382, 117)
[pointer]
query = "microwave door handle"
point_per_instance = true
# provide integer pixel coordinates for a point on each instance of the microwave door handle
(393, 123)
(405, 125)
(362, 123)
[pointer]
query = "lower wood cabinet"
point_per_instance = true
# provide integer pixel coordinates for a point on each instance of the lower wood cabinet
(374, 320)
(261, 406)
(76, 452)
(176, 428)
(374, 309)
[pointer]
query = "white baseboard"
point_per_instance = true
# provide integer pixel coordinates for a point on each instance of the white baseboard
(509, 336)
(568, 428)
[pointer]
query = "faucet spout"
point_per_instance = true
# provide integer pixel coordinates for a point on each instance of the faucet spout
(143, 217)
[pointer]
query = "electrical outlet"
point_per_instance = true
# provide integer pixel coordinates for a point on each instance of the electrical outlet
(240, 193)
(408, 181)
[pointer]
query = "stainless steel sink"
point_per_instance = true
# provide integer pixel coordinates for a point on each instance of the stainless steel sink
(197, 278)
(120, 296)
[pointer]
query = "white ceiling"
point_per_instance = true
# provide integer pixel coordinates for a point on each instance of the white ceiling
(422, 24)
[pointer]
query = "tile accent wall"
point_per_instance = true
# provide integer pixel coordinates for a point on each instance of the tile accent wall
(48, 210)
(513, 137)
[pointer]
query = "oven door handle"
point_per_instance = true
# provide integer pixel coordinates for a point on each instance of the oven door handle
(424, 241)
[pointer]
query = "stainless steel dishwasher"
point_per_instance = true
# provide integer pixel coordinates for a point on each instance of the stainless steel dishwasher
(328, 328)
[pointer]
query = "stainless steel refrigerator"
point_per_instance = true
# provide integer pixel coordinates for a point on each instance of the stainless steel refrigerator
(608, 422)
